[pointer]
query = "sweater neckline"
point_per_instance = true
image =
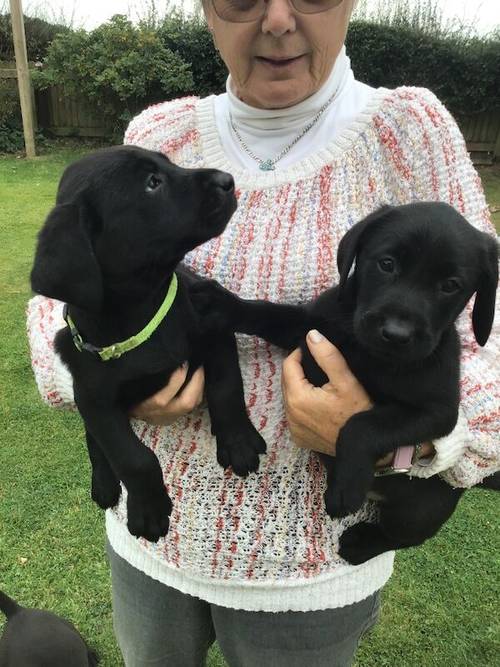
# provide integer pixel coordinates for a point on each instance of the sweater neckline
(215, 154)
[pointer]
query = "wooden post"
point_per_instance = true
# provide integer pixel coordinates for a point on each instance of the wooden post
(23, 76)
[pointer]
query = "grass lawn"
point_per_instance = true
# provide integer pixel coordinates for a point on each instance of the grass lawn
(491, 183)
(439, 609)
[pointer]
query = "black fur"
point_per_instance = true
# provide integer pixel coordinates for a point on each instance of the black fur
(35, 638)
(416, 267)
(123, 220)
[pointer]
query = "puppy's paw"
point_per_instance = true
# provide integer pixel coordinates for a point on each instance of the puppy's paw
(240, 449)
(357, 543)
(341, 501)
(349, 480)
(106, 488)
(345, 495)
(149, 517)
(214, 305)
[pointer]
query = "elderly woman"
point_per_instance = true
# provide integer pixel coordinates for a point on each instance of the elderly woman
(253, 562)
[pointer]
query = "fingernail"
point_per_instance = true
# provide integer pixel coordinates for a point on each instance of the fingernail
(315, 336)
(184, 365)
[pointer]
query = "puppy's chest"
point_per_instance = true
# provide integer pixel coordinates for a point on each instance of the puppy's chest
(420, 385)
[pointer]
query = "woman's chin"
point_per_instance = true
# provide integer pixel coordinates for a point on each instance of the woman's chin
(270, 89)
(276, 96)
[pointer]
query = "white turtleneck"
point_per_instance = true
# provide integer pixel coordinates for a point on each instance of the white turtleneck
(268, 131)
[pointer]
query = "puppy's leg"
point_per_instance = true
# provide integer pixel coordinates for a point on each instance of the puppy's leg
(105, 486)
(148, 504)
(238, 443)
(220, 310)
(367, 437)
(364, 541)
(412, 510)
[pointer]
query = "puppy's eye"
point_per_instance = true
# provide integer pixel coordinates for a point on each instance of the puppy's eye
(386, 265)
(153, 183)
(450, 285)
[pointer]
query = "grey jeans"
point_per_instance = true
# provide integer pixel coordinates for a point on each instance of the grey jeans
(156, 625)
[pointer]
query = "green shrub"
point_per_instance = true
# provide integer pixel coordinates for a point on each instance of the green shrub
(9, 100)
(118, 67)
(463, 71)
(11, 138)
(39, 35)
(191, 40)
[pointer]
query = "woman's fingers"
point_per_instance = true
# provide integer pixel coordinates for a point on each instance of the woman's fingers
(331, 362)
(162, 398)
(316, 414)
(168, 404)
(191, 396)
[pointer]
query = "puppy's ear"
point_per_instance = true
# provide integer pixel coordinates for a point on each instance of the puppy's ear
(484, 304)
(65, 265)
(350, 243)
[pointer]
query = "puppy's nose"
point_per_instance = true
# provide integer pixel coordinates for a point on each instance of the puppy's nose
(397, 332)
(224, 181)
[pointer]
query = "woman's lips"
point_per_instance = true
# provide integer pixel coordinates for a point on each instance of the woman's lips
(279, 63)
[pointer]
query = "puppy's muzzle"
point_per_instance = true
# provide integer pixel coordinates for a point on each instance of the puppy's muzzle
(396, 331)
(223, 181)
(390, 333)
(220, 200)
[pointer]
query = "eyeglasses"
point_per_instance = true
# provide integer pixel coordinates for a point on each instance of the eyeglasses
(244, 11)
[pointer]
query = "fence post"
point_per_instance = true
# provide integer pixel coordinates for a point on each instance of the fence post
(23, 76)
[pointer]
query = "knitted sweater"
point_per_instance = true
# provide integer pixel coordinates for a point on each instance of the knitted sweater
(265, 542)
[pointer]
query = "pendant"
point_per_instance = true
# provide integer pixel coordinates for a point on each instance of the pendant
(266, 165)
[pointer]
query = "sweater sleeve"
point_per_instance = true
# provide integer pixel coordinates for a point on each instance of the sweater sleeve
(54, 381)
(444, 172)
(167, 127)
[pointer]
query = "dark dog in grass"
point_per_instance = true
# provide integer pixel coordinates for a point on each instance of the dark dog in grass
(36, 638)
(124, 219)
(416, 267)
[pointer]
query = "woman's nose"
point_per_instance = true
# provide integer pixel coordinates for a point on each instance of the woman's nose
(279, 17)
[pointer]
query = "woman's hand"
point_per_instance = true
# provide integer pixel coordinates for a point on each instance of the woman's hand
(316, 414)
(166, 405)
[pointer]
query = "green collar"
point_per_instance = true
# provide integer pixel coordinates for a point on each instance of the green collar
(115, 351)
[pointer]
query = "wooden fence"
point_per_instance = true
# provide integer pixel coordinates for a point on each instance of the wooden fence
(63, 115)
(60, 114)
(482, 134)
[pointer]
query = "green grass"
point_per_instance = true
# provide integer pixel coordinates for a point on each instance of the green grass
(440, 608)
(491, 183)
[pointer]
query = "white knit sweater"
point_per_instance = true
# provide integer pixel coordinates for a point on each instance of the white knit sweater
(265, 542)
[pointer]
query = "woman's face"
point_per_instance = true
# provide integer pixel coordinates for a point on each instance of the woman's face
(282, 58)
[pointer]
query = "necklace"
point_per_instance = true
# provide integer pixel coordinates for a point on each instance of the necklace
(268, 165)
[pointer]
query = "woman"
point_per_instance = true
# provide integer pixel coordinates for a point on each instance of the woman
(252, 562)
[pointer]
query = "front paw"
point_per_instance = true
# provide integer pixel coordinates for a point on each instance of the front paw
(106, 489)
(240, 449)
(348, 487)
(214, 305)
(149, 517)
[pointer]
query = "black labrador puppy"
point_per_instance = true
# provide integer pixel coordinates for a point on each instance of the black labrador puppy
(110, 248)
(416, 267)
(36, 638)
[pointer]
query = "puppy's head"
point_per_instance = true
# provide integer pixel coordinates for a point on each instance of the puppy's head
(416, 267)
(121, 213)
